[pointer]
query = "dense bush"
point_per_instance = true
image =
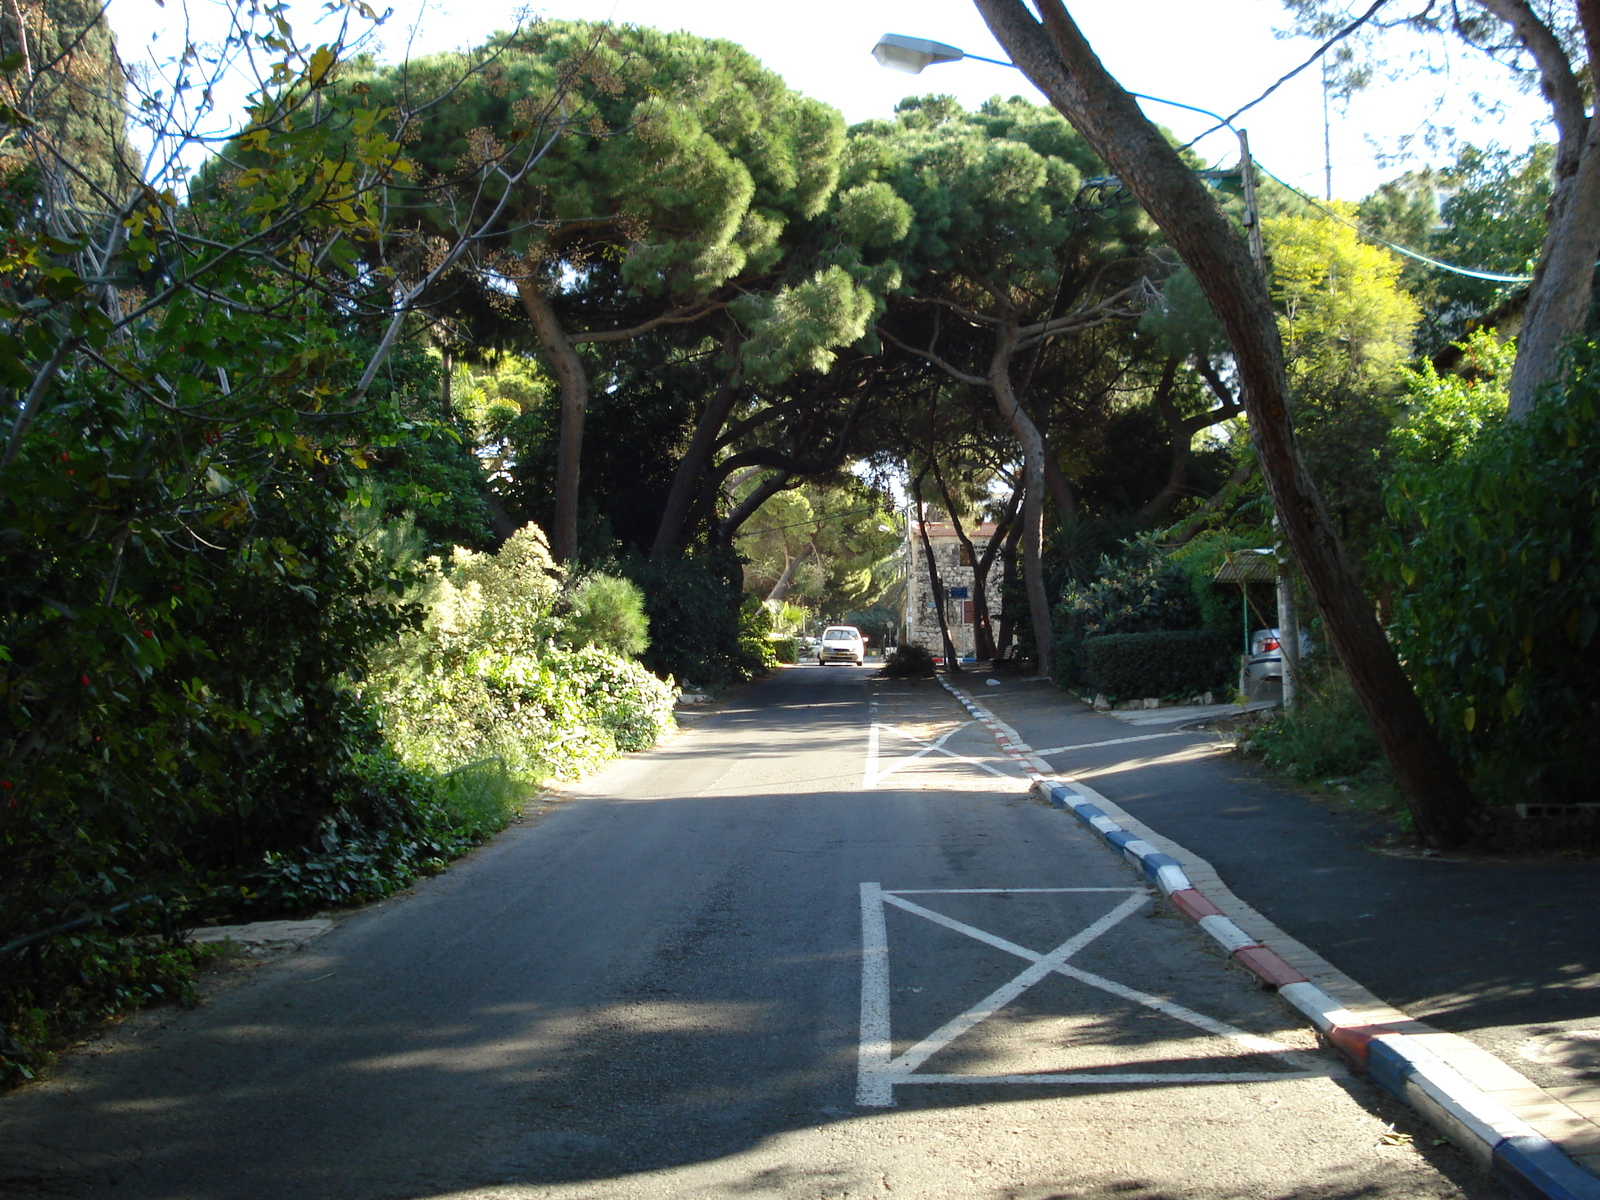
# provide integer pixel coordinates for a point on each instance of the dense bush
(694, 607)
(755, 635)
(1494, 567)
(908, 659)
(1326, 735)
(488, 676)
(605, 611)
(786, 649)
(1174, 662)
(1139, 593)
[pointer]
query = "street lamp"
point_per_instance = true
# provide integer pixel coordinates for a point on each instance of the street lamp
(910, 54)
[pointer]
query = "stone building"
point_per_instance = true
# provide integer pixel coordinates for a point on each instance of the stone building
(921, 624)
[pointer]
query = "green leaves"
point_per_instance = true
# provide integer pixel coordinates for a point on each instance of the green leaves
(1494, 563)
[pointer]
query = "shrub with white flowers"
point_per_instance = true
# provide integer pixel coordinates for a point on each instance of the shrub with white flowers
(496, 671)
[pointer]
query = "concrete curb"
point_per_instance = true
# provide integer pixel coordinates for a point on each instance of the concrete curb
(1526, 1162)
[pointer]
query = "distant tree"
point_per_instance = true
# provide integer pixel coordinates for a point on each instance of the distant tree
(1486, 213)
(999, 263)
(69, 84)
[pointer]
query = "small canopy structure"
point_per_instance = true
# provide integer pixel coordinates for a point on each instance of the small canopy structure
(1242, 568)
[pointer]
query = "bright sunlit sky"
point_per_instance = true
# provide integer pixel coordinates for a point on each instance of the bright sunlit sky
(1214, 54)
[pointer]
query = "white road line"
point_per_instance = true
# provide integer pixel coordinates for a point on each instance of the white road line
(880, 1069)
(1144, 737)
(936, 746)
(1042, 966)
(874, 1086)
(869, 773)
(992, 891)
(1188, 1015)
(927, 747)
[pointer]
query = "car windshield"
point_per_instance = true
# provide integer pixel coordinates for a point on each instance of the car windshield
(839, 635)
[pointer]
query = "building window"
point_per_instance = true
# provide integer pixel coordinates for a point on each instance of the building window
(965, 559)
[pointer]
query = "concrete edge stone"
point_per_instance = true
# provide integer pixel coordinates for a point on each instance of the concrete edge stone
(1498, 1142)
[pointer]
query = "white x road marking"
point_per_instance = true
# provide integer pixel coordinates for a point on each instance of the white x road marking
(872, 774)
(880, 1069)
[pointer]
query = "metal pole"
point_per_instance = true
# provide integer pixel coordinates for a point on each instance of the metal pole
(1288, 622)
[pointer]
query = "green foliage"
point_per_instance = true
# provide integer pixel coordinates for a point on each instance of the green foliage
(833, 538)
(1168, 662)
(755, 634)
(74, 100)
(606, 611)
(1327, 735)
(907, 660)
(1446, 414)
(1486, 211)
(785, 648)
(1200, 559)
(1495, 571)
(492, 672)
(1345, 321)
(81, 978)
(695, 626)
(1140, 592)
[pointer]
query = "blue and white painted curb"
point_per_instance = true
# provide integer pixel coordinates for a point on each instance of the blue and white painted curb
(1526, 1162)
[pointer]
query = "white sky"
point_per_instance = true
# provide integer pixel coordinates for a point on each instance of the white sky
(1214, 54)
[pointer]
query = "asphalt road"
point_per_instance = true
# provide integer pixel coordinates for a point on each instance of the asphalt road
(819, 945)
(1502, 952)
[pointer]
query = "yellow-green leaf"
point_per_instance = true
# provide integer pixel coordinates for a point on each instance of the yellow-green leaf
(322, 59)
(1469, 718)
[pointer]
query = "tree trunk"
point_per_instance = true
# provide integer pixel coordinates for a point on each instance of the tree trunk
(1033, 490)
(1563, 284)
(574, 383)
(1182, 445)
(982, 634)
(722, 534)
(671, 535)
(1008, 563)
(952, 661)
(1558, 299)
(1060, 490)
(983, 565)
(786, 580)
(1060, 62)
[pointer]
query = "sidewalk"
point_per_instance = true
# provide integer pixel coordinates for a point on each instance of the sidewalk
(1506, 955)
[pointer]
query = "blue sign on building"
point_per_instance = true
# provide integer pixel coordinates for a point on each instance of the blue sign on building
(959, 593)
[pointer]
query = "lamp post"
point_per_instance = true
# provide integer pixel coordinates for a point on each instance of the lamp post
(899, 52)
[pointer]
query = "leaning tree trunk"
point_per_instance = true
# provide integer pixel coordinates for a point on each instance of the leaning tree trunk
(574, 383)
(1563, 282)
(1033, 491)
(1563, 285)
(1061, 63)
(952, 660)
(1008, 567)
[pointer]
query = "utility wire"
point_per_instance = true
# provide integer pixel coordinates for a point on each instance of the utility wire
(1227, 121)
(814, 520)
(1469, 272)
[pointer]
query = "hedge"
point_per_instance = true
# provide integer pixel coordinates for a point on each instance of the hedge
(1170, 662)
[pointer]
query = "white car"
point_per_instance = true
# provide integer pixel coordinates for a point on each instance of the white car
(1266, 653)
(842, 643)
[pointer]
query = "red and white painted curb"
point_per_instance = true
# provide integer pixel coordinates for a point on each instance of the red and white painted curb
(1522, 1159)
